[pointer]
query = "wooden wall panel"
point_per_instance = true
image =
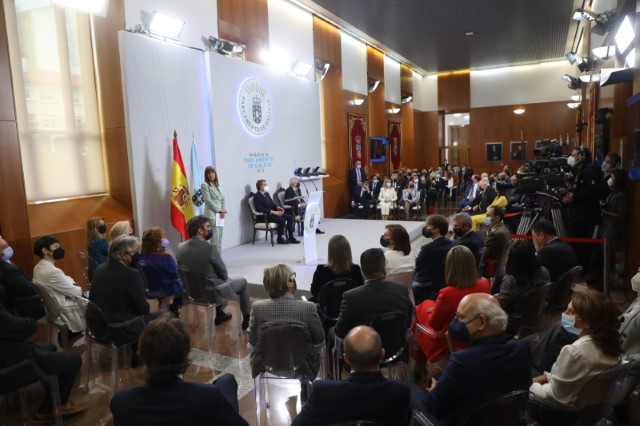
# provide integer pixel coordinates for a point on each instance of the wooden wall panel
(117, 165)
(406, 79)
(500, 124)
(454, 91)
(7, 110)
(408, 138)
(246, 22)
(14, 223)
(375, 64)
(425, 139)
(325, 47)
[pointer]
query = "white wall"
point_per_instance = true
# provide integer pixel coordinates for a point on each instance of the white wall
(200, 16)
(354, 64)
(391, 80)
(425, 92)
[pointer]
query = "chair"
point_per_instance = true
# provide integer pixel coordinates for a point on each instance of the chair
(358, 423)
(54, 312)
(198, 293)
(561, 294)
(330, 298)
(289, 210)
(282, 350)
(404, 278)
(505, 410)
(391, 327)
(532, 310)
(419, 419)
(99, 331)
(261, 223)
(88, 265)
(21, 376)
(156, 283)
(433, 368)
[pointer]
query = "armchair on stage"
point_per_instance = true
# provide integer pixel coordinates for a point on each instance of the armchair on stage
(261, 222)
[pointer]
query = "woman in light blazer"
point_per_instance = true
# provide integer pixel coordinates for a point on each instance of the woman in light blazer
(213, 203)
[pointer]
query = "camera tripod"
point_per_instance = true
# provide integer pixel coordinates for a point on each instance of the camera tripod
(531, 214)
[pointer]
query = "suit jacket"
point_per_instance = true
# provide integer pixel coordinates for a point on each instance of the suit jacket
(488, 195)
(204, 258)
(363, 395)
(430, 262)
(558, 257)
(496, 240)
(360, 305)
(119, 292)
(213, 201)
(263, 203)
(360, 196)
(19, 295)
(64, 289)
(473, 241)
(353, 179)
(14, 332)
(491, 367)
(630, 329)
(177, 403)
(323, 275)
(291, 194)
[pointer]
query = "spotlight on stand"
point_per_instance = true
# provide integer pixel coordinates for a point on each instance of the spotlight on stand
(225, 47)
(603, 21)
(574, 83)
(301, 69)
(321, 70)
(571, 57)
(165, 26)
(584, 64)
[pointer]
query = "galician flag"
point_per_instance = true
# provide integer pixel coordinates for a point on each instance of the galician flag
(196, 180)
(181, 205)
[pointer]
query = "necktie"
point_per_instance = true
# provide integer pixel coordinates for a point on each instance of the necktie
(358, 174)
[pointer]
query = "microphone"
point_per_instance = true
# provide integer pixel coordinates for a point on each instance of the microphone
(314, 184)
(303, 184)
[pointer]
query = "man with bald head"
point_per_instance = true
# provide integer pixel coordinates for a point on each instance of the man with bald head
(364, 395)
(491, 367)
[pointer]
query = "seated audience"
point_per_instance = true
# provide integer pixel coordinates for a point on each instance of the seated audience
(265, 205)
(398, 253)
(62, 286)
(491, 367)
(165, 275)
(429, 278)
(499, 200)
(615, 213)
(360, 200)
(15, 347)
(496, 240)
(466, 236)
(388, 196)
(470, 193)
(410, 198)
(594, 318)
(522, 274)
(461, 277)
(165, 398)
(339, 265)
(553, 253)
(199, 256)
(483, 199)
(282, 307)
(17, 294)
(117, 289)
(365, 395)
(120, 228)
(97, 244)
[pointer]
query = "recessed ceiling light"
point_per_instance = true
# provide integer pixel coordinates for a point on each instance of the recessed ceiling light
(469, 33)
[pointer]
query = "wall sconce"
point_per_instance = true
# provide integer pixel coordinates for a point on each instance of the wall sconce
(518, 111)
(357, 101)
(393, 110)
(573, 105)
(373, 85)
(165, 26)
(406, 99)
(575, 98)
(93, 7)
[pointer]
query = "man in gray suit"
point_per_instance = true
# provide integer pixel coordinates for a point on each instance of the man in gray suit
(199, 256)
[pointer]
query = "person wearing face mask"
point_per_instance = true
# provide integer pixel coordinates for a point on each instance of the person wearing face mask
(466, 236)
(615, 213)
(159, 270)
(611, 162)
(410, 198)
(499, 200)
(62, 286)
(117, 289)
(357, 176)
(495, 241)
(491, 367)
(17, 294)
(265, 205)
(376, 185)
(593, 317)
(198, 256)
(430, 262)
(387, 197)
(97, 244)
(360, 201)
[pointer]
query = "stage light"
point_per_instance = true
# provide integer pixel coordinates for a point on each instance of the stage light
(604, 52)
(373, 85)
(624, 36)
(584, 15)
(301, 68)
(574, 83)
(584, 64)
(518, 111)
(225, 47)
(322, 70)
(165, 26)
(94, 7)
(590, 78)
(571, 57)
(631, 58)
(603, 21)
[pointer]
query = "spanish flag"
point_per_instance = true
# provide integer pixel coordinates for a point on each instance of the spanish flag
(181, 205)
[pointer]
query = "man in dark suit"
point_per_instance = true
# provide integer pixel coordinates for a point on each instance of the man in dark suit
(480, 204)
(553, 253)
(293, 197)
(17, 293)
(429, 277)
(14, 347)
(117, 289)
(357, 176)
(199, 256)
(498, 235)
(377, 296)
(491, 367)
(365, 395)
(166, 398)
(264, 204)
(462, 229)
(360, 201)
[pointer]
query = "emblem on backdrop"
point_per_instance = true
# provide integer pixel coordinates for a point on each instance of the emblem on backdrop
(255, 107)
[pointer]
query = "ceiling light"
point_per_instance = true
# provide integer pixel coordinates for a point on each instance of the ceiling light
(603, 21)
(469, 33)
(373, 85)
(624, 36)
(166, 26)
(631, 58)
(573, 105)
(301, 68)
(575, 98)
(518, 111)
(357, 101)
(571, 57)
(604, 52)
(93, 7)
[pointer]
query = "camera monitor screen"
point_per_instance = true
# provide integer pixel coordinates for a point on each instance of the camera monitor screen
(378, 149)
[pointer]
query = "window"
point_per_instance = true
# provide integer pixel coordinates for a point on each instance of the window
(52, 67)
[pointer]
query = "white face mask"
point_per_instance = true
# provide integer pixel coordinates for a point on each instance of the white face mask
(388, 183)
(415, 181)
(571, 161)
(635, 282)
(266, 188)
(610, 182)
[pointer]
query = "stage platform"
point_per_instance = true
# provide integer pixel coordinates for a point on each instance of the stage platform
(249, 260)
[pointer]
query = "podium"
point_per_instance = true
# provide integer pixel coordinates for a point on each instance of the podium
(312, 216)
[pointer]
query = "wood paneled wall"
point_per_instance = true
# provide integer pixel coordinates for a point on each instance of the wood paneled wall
(454, 91)
(406, 111)
(425, 139)
(246, 22)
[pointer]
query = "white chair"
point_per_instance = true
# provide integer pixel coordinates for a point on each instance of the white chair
(261, 223)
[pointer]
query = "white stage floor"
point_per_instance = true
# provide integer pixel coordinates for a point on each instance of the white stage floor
(249, 260)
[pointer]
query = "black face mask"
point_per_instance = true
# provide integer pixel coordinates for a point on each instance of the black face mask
(134, 260)
(58, 253)
(209, 234)
(458, 232)
(383, 241)
(427, 233)
(102, 229)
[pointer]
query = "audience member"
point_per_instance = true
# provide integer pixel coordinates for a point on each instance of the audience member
(97, 244)
(282, 307)
(388, 196)
(339, 265)
(265, 205)
(461, 276)
(522, 274)
(163, 268)
(376, 185)
(357, 176)
(398, 253)
(553, 253)
(120, 228)
(470, 193)
(16, 347)
(62, 286)
(201, 257)
(491, 367)
(615, 213)
(365, 395)
(17, 294)
(429, 278)
(410, 198)
(496, 239)
(117, 289)
(166, 398)
(466, 236)
(499, 200)
(214, 204)
(360, 200)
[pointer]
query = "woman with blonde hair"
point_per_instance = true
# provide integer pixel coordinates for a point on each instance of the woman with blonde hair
(387, 197)
(120, 228)
(339, 265)
(214, 204)
(461, 276)
(97, 244)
